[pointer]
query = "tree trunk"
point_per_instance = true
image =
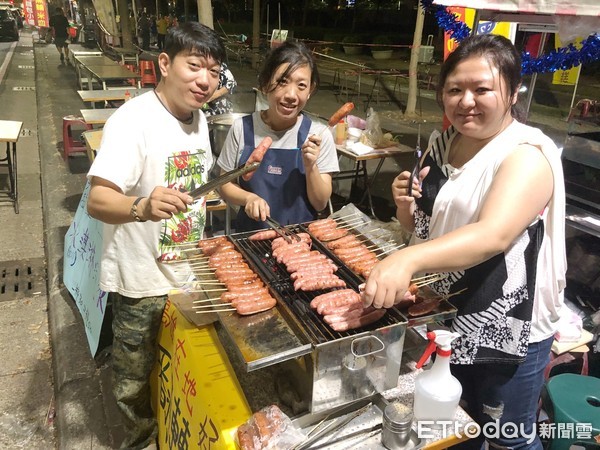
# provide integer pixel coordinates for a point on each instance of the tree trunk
(411, 102)
(126, 31)
(256, 33)
(205, 13)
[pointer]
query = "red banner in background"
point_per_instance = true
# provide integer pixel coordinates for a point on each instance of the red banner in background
(36, 13)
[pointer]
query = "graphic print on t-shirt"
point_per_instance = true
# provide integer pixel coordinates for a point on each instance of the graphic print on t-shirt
(184, 171)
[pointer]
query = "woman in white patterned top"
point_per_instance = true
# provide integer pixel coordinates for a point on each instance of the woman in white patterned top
(487, 209)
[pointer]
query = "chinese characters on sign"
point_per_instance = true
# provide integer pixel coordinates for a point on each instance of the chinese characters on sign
(36, 13)
(81, 269)
(196, 396)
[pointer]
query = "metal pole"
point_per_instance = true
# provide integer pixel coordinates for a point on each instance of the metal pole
(534, 77)
(575, 89)
(255, 33)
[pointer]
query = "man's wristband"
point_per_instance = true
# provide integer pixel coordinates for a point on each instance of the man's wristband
(134, 212)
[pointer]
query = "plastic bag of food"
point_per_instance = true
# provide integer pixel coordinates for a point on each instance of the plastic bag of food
(268, 428)
(372, 134)
(356, 122)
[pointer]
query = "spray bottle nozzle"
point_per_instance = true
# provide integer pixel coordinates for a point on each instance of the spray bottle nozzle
(441, 339)
(429, 350)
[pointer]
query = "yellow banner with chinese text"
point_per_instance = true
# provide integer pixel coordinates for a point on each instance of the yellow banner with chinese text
(196, 396)
(566, 77)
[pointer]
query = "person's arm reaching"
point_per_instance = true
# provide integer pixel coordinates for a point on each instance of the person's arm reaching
(108, 204)
(256, 207)
(525, 175)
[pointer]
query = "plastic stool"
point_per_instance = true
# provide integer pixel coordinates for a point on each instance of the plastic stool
(71, 144)
(575, 399)
(148, 73)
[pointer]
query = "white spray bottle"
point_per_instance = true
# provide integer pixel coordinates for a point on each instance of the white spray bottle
(437, 392)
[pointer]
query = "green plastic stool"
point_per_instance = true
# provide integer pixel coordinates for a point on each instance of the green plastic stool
(575, 400)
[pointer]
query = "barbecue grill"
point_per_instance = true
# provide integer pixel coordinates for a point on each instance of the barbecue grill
(329, 368)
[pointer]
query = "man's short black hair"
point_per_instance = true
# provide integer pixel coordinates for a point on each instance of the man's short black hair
(196, 39)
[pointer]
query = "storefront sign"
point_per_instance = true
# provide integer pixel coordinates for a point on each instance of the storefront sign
(568, 77)
(81, 269)
(36, 13)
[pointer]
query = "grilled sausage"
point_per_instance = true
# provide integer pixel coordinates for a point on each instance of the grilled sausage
(278, 242)
(331, 234)
(235, 271)
(322, 224)
(226, 256)
(254, 293)
(257, 155)
(260, 305)
(345, 316)
(341, 310)
(361, 321)
(317, 283)
(347, 241)
(295, 267)
(311, 271)
(425, 307)
(344, 110)
(349, 298)
(361, 257)
(352, 251)
(263, 235)
(239, 288)
(289, 249)
(329, 295)
(237, 264)
(308, 257)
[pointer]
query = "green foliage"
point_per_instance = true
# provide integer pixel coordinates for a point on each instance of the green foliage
(382, 42)
(351, 39)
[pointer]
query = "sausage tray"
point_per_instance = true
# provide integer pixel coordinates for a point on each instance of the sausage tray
(328, 368)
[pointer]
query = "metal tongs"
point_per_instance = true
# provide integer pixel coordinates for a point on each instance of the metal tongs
(320, 431)
(221, 180)
(282, 231)
(415, 172)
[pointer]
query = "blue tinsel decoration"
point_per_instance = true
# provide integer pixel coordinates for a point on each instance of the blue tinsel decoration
(563, 58)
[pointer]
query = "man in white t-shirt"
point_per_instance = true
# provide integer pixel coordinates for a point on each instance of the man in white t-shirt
(154, 148)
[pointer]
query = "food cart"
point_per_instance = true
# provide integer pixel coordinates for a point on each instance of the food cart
(211, 377)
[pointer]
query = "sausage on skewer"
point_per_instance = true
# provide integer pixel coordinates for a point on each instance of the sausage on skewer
(257, 155)
(340, 113)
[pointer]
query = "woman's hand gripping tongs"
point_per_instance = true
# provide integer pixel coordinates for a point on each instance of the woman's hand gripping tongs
(285, 233)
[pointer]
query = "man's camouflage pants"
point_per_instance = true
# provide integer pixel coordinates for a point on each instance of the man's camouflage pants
(135, 327)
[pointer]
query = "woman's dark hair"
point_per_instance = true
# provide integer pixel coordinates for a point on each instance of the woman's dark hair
(294, 53)
(498, 51)
(196, 39)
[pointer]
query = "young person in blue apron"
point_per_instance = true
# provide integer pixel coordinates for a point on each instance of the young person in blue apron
(293, 181)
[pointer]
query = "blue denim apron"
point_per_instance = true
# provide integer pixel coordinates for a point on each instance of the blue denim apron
(280, 180)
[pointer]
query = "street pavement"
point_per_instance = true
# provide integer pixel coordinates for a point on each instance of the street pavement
(53, 393)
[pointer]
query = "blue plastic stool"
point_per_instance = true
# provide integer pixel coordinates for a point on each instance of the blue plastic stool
(575, 400)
